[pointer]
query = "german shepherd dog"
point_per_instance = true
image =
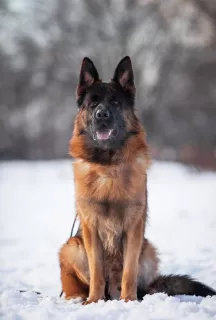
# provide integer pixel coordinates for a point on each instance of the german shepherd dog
(109, 258)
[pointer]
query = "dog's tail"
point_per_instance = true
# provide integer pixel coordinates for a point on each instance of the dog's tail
(176, 285)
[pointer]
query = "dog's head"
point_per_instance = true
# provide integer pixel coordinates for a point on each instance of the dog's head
(106, 117)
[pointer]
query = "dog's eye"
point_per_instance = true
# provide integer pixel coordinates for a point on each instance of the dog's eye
(114, 101)
(93, 104)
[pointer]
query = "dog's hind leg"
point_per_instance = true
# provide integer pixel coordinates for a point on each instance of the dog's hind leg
(74, 269)
(148, 268)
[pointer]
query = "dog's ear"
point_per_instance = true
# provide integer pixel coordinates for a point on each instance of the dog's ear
(88, 75)
(124, 76)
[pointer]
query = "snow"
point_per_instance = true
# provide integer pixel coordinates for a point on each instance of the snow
(36, 214)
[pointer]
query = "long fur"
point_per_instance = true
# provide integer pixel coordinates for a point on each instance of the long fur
(109, 256)
(179, 284)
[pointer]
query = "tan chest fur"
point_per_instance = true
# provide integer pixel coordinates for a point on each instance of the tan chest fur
(125, 181)
(110, 197)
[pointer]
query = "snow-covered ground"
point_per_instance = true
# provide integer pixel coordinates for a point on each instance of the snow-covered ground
(36, 214)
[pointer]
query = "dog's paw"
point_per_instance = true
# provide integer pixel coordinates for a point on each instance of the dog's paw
(84, 303)
(128, 298)
(93, 299)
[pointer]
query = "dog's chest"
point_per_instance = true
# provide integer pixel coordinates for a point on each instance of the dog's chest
(110, 199)
(125, 182)
(110, 231)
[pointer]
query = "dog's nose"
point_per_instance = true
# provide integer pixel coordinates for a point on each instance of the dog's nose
(102, 114)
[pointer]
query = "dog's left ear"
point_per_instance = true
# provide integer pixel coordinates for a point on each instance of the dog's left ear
(88, 75)
(124, 76)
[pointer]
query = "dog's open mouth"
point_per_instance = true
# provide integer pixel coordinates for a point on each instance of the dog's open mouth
(104, 133)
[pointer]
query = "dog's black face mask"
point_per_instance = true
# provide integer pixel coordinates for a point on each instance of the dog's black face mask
(105, 116)
(107, 106)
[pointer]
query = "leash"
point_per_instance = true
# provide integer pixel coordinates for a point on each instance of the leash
(71, 235)
(72, 229)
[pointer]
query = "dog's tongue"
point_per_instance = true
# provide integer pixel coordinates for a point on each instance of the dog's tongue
(103, 135)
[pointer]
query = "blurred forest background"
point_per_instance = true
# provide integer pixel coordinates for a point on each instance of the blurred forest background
(172, 44)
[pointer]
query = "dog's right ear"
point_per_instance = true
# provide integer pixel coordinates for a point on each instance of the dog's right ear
(88, 75)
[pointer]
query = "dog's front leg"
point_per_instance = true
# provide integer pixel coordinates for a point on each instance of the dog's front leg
(94, 252)
(132, 247)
